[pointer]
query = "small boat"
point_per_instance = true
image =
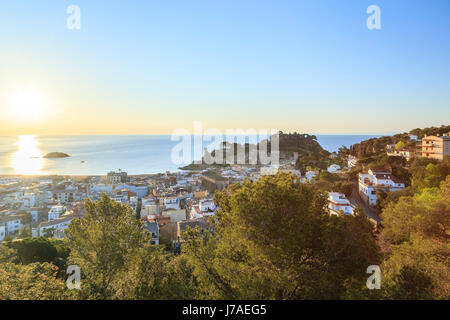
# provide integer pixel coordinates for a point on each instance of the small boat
(82, 161)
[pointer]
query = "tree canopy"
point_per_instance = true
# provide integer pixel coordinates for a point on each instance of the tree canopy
(417, 229)
(274, 239)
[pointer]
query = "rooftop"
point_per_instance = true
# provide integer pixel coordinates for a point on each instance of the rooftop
(338, 198)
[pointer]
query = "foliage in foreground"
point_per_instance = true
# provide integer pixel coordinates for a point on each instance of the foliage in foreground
(272, 239)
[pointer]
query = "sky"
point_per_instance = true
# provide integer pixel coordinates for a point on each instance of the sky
(152, 67)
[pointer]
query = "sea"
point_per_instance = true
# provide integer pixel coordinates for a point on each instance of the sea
(97, 155)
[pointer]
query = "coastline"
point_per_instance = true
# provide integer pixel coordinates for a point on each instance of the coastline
(95, 155)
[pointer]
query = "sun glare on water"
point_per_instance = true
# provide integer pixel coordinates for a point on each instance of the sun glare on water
(28, 158)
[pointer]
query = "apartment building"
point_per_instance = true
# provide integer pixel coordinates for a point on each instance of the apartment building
(434, 147)
(116, 177)
(29, 200)
(64, 196)
(369, 183)
(11, 224)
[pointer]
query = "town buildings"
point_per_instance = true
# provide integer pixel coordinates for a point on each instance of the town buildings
(58, 225)
(55, 212)
(153, 228)
(339, 204)
(202, 208)
(171, 201)
(212, 181)
(372, 181)
(352, 161)
(116, 177)
(334, 168)
(11, 224)
(201, 223)
(434, 147)
(405, 153)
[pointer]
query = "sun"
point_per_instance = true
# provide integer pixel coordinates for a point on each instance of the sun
(26, 104)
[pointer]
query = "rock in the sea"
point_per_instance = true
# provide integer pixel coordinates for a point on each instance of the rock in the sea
(56, 155)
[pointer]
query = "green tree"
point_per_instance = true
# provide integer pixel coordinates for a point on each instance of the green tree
(8, 238)
(343, 152)
(106, 243)
(400, 145)
(35, 281)
(41, 250)
(49, 233)
(274, 239)
(417, 229)
(167, 234)
(27, 218)
(151, 274)
(410, 283)
(7, 254)
(25, 232)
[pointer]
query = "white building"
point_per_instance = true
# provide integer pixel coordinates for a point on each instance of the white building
(123, 199)
(11, 223)
(64, 196)
(133, 203)
(55, 212)
(150, 208)
(269, 170)
(339, 204)
(334, 168)
(2, 232)
(369, 183)
(140, 190)
(202, 208)
(351, 162)
(171, 203)
(59, 225)
(100, 188)
(400, 153)
(29, 200)
(309, 175)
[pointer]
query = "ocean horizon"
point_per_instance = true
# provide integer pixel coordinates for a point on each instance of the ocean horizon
(99, 154)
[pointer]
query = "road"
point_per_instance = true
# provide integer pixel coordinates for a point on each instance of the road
(356, 200)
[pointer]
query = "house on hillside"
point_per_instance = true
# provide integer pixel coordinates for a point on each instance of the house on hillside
(339, 204)
(372, 181)
(334, 168)
(60, 224)
(351, 162)
(405, 153)
(153, 228)
(434, 147)
(202, 208)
